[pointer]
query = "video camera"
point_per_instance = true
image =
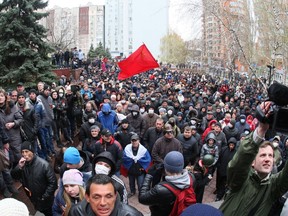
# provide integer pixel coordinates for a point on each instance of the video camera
(278, 120)
(75, 88)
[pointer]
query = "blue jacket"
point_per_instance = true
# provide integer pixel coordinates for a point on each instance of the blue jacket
(108, 118)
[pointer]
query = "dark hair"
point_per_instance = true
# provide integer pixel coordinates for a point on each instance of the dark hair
(101, 179)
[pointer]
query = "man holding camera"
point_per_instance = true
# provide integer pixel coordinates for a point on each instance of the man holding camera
(253, 189)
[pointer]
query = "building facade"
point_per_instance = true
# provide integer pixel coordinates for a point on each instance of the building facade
(109, 23)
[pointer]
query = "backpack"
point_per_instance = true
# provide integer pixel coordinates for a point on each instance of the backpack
(184, 198)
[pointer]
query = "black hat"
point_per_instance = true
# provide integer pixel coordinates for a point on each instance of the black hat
(106, 157)
(32, 91)
(90, 115)
(20, 84)
(46, 87)
(106, 132)
(218, 124)
(27, 146)
(124, 121)
(134, 137)
(21, 94)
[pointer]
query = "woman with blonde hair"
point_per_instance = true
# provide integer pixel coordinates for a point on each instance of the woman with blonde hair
(72, 193)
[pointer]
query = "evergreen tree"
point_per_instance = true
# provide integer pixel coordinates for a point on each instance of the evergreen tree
(101, 52)
(92, 53)
(23, 50)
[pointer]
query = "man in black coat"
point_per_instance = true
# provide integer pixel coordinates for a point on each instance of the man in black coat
(38, 179)
(189, 145)
(152, 134)
(226, 154)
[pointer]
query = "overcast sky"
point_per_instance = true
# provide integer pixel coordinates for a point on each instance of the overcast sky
(150, 20)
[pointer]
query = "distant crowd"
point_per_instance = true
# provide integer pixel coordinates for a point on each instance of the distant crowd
(151, 127)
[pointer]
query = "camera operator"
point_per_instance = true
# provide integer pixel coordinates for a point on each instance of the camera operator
(249, 173)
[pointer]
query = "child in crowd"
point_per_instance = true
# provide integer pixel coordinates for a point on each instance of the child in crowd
(210, 148)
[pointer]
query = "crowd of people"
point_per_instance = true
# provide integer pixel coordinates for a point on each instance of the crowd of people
(71, 142)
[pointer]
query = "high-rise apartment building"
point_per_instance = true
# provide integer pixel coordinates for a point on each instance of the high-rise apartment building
(109, 23)
(221, 26)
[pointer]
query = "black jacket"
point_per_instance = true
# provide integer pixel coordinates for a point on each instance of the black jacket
(190, 148)
(39, 178)
(113, 147)
(124, 136)
(85, 131)
(150, 137)
(161, 196)
(120, 209)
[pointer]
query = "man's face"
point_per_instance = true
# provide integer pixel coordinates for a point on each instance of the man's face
(263, 162)
(125, 125)
(217, 128)
(40, 86)
(28, 155)
(135, 142)
(159, 125)
(102, 199)
(14, 95)
(169, 134)
(187, 134)
(209, 116)
(21, 100)
(32, 96)
(107, 138)
(20, 88)
(47, 92)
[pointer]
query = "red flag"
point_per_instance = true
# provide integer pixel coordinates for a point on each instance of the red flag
(139, 61)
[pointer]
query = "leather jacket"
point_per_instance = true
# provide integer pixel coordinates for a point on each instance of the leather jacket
(120, 209)
(159, 198)
(39, 178)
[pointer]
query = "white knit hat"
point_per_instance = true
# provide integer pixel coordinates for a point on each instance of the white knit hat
(13, 207)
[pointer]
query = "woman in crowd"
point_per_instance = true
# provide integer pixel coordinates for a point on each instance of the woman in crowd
(72, 194)
(11, 118)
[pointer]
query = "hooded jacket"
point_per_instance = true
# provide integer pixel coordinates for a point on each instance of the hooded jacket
(208, 129)
(113, 147)
(119, 184)
(108, 118)
(225, 157)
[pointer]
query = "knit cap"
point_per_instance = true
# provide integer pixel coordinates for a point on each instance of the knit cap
(174, 162)
(27, 146)
(200, 209)
(73, 177)
(72, 156)
(13, 207)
